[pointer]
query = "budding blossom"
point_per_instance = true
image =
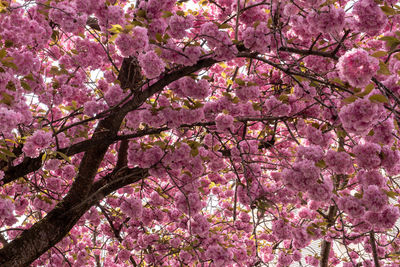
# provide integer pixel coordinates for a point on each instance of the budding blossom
(357, 67)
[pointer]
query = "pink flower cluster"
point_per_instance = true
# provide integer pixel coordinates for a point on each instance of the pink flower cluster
(199, 225)
(224, 122)
(136, 41)
(8, 120)
(302, 176)
(6, 209)
(187, 86)
(132, 207)
(339, 162)
(93, 107)
(152, 65)
(276, 107)
(367, 155)
(179, 24)
(369, 17)
(113, 96)
(391, 160)
(65, 15)
(328, 19)
(360, 116)
(384, 219)
(222, 44)
(382, 133)
(257, 38)
(373, 177)
(219, 255)
(357, 67)
(246, 93)
(374, 198)
(144, 158)
(38, 141)
(314, 153)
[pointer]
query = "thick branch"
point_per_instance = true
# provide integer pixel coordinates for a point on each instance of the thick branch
(326, 246)
(373, 246)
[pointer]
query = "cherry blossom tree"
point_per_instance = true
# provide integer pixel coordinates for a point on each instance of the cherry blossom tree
(199, 133)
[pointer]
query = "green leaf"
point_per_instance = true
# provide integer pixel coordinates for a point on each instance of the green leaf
(224, 26)
(379, 54)
(391, 41)
(9, 64)
(3, 53)
(350, 99)
(368, 89)
(159, 37)
(7, 99)
(8, 43)
(378, 98)
(321, 164)
(180, 13)
(26, 86)
(167, 14)
(392, 194)
(383, 69)
(388, 10)
(64, 156)
(116, 28)
(8, 152)
(239, 82)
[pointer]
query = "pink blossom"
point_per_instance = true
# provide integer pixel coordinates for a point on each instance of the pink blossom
(352, 206)
(367, 155)
(219, 255)
(374, 199)
(328, 19)
(281, 229)
(199, 225)
(369, 17)
(224, 122)
(339, 162)
(6, 208)
(321, 192)
(276, 107)
(391, 160)
(114, 95)
(357, 67)
(179, 24)
(257, 38)
(151, 64)
(360, 116)
(132, 207)
(40, 139)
